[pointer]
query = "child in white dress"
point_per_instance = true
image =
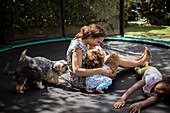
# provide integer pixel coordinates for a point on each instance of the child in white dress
(154, 85)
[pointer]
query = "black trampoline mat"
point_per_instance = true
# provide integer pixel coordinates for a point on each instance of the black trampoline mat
(64, 98)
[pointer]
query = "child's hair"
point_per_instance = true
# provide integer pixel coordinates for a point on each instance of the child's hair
(113, 60)
(166, 80)
(94, 59)
(92, 30)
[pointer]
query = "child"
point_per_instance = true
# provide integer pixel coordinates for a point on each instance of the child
(94, 59)
(154, 85)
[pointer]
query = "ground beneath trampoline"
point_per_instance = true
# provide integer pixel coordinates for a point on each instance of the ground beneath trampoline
(64, 98)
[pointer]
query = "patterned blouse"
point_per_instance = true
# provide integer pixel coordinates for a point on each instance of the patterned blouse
(76, 44)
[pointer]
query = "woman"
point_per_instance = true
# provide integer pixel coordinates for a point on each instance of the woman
(91, 37)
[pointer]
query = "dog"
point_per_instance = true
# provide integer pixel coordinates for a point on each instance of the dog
(26, 75)
(50, 69)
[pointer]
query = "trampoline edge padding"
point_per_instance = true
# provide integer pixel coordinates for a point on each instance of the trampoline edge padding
(9, 47)
(141, 40)
(125, 38)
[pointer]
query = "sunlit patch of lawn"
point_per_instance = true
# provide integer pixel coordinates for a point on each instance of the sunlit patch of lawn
(153, 31)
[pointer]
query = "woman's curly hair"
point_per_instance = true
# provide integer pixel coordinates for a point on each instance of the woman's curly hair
(92, 30)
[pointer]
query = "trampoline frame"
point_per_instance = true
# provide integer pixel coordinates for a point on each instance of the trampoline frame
(116, 38)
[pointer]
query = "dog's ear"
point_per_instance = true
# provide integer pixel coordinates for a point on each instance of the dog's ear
(56, 66)
(23, 55)
(64, 65)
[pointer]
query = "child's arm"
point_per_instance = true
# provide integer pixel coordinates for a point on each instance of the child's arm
(130, 91)
(136, 107)
(112, 75)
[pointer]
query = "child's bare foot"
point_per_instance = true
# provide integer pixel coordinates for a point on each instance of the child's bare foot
(100, 91)
(89, 90)
(137, 69)
(145, 64)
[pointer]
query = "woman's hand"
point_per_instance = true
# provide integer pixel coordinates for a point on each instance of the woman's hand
(106, 72)
(112, 74)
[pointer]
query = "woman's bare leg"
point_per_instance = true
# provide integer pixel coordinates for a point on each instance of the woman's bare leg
(128, 63)
(130, 58)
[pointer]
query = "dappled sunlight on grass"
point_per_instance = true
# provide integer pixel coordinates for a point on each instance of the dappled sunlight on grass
(149, 31)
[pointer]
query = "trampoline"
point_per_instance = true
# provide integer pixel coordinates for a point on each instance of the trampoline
(66, 99)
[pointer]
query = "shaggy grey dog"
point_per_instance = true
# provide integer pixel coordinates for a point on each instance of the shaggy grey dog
(50, 69)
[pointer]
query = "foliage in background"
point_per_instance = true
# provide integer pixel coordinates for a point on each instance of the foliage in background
(20, 14)
(30, 13)
(156, 12)
(90, 11)
(127, 10)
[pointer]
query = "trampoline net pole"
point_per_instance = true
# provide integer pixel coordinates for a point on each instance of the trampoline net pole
(122, 18)
(2, 36)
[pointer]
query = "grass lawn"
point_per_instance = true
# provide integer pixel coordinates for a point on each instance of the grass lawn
(153, 31)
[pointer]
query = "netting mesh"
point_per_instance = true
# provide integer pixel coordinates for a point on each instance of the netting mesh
(25, 20)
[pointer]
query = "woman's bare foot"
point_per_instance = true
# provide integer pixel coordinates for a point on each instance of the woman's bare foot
(144, 53)
(89, 90)
(100, 91)
(150, 55)
(147, 56)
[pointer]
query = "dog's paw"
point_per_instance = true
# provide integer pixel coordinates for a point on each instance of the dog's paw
(57, 83)
(24, 88)
(39, 85)
(42, 87)
(21, 92)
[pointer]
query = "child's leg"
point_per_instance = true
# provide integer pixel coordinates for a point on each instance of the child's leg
(91, 83)
(100, 91)
(103, 85)
(137, 69)
(89, 90)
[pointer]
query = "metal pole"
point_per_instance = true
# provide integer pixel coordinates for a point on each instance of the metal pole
(122, 18)
(62, 18)
(2, 36)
